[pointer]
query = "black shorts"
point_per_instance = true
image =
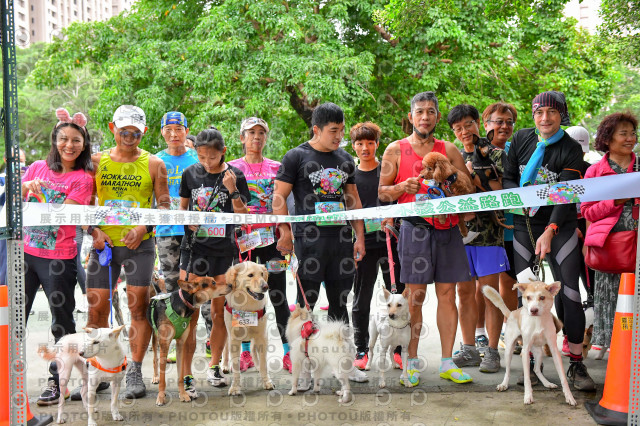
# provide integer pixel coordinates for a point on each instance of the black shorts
(325, 258)
(205, 266)
(508, 247)
(138, 266)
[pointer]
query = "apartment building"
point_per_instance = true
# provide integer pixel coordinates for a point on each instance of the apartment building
(42, 20)
(586, 12)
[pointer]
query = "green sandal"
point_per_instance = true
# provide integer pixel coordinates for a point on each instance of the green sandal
(465, 378)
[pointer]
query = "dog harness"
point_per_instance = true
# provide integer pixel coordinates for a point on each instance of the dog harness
(94, 362)
(308, 330)
(179, 323)
(450, 181)
(260, 313)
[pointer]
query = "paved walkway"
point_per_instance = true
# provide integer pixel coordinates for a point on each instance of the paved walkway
(435, 401)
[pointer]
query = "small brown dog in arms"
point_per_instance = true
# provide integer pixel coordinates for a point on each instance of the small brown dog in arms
(98, 355)
(537, 326)
(170, 316)
(437, 167)
(245, 319)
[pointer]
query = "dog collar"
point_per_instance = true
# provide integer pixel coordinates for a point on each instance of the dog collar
(399, 328)
(94, 362)
(260, 312)
(188, 305)
(450, 181)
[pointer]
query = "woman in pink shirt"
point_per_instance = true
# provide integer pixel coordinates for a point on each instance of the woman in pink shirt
(50, 251)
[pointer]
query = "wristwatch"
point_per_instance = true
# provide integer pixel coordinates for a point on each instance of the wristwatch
(90, 229)
(235, 194)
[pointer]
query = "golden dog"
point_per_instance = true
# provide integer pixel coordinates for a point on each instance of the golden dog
(245, 319)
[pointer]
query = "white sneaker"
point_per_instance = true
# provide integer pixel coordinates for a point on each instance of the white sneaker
(304, 381)
(82, 305)
(358, 376)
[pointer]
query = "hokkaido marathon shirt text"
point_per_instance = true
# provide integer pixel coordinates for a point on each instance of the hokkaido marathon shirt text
(55, 242)
(206, 192)
(122, 186)
(318, 179)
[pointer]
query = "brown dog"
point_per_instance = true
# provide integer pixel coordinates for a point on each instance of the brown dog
(245, 319)
(181, 306)
(437, 167)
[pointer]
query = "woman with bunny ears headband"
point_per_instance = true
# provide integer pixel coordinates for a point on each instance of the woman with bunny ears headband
(50, 251)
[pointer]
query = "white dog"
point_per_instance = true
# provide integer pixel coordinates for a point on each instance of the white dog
(329, 344)
(537, 326)
(99, 357)
(393, 326)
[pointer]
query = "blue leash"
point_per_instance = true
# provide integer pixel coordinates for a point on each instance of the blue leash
(104, 257)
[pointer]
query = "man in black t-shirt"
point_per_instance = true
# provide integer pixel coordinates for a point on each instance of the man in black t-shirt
(321, 176)
(547, 155)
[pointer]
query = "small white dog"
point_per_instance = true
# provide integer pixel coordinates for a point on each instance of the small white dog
(99, 357)
(393, 327)
(537, 326)
(330, 343)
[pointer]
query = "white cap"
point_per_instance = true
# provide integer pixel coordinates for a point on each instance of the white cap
(581, 135)
(130, 115)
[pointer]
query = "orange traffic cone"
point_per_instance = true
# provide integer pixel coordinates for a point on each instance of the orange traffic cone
(613, 408)
(43, 419)
(5, 397)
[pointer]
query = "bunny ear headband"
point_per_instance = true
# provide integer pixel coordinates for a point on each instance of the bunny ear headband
(78, 118)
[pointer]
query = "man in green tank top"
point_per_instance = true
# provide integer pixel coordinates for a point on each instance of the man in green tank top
(126, 177)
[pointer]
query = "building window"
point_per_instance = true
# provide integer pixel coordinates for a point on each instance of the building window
(32, 8)
(33, 21)
(33, 33)
(75, 13)
(21, 16)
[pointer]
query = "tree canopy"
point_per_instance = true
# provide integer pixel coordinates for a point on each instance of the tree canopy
(621, 28)
(222, 61)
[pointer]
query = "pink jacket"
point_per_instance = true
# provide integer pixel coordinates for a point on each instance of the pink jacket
(603, 215)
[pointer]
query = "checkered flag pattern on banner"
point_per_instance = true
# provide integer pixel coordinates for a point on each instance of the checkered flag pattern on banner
(543, 193)
(116, 216)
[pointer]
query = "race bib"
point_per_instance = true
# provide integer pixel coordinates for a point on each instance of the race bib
(277, 265)
(294, 264)
(244, 318)
(249, 241)
(330, 207)
(212, 231)
(267, 236)
(372, 225)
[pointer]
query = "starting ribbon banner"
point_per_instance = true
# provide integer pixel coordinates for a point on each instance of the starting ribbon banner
(595, 189)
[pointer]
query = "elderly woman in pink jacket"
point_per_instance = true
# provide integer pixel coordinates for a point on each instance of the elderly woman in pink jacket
(616, 137)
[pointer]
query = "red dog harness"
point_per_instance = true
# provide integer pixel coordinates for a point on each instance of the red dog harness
(308, 330)
(94, 362)
(260, 313)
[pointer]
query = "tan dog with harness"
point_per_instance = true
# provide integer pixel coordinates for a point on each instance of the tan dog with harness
(170, 316)
(245, 319)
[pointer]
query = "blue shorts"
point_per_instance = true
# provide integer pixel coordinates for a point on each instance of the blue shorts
(485, 261)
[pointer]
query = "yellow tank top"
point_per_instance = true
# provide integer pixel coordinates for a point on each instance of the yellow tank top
(121, 186)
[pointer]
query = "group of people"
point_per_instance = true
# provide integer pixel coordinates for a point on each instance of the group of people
(319, 176)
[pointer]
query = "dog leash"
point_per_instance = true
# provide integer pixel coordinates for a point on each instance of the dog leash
(104, 257)
(394, 289)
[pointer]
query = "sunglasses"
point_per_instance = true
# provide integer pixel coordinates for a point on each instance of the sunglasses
(126, 134)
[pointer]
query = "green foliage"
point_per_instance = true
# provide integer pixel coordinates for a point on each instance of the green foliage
(620, 28)
(626, 98)
(222, 61)
(36, 106)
